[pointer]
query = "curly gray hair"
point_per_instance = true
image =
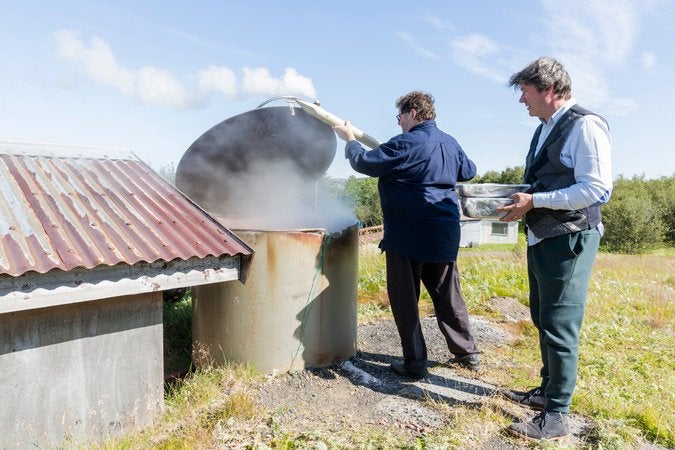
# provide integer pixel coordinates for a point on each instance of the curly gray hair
(543, 73)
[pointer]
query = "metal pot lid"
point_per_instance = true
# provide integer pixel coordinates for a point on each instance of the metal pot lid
(213, 169)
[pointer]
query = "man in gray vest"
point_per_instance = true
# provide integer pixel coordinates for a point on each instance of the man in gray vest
(569, 170)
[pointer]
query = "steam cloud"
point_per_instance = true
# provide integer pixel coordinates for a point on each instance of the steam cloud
(263, 169)
(154, 86)
(275, 195)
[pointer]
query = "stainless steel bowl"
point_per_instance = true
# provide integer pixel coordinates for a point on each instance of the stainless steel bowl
(483, 208)
(490, 190)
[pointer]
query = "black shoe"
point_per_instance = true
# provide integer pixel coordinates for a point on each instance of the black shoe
(400, 369)
(470, 361)
(534, 398)
(546, 425)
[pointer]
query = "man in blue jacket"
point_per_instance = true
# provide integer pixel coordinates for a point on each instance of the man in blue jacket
(417, 173)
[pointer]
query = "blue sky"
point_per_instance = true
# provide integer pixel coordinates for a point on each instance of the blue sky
(152, 76)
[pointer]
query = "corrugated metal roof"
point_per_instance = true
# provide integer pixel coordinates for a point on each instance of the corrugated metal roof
(66, 206)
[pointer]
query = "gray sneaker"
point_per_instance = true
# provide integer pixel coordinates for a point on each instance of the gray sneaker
(546, 425)
(470, 361)
(534, 398)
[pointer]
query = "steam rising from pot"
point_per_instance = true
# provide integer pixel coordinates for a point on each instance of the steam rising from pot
(262, 170)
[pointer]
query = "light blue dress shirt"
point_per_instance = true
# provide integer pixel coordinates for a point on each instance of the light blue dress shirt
(587, 150)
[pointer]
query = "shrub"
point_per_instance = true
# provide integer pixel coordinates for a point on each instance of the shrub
(363, 195)
(663, 191)
(178, 333)
(510, 175)
(633, 218)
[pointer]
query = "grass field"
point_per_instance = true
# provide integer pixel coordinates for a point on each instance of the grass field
(627, 355)
(627, 358)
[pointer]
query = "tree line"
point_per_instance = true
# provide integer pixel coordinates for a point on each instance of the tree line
(639, 217)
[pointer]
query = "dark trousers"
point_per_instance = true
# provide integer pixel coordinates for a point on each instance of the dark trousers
(559, 271)
(442, 282)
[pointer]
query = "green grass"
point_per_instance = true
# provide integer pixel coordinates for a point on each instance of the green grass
(372, 278)
(493, 275)
(195, 408)
(627, 355)
(627, 361)
(177, 334)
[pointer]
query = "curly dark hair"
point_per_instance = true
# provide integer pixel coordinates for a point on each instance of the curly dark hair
(543, 73)
(421, 102)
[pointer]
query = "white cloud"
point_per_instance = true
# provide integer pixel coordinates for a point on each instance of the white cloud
(155, 86)
(259, 81)
(475, 45)
(588, 83)
(97, 59)
(218, 79)
(412, 43)
(470, 52)
(438, 23)
(619, 106)
(296, 84)
(158, 87)
(648, 61)
(598, 30)
(592, 38)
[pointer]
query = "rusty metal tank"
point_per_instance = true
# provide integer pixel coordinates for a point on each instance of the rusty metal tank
(297, 306)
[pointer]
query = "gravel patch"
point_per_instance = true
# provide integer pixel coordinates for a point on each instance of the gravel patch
(364, 392)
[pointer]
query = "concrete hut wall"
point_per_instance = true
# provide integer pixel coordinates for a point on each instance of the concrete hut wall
(80, 371)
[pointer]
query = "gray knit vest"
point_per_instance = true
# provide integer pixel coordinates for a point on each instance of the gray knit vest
(545, 172)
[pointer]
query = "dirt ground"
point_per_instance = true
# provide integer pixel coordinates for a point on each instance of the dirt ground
(363, 391)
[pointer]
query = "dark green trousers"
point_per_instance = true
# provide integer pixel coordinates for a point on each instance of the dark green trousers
(559, 271)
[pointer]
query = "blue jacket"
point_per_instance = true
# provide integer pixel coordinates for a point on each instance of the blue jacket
(417, 174)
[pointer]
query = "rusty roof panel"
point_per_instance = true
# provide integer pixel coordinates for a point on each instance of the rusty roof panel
(63, 207)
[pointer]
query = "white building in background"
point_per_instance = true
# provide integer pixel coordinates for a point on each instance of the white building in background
(475, 232)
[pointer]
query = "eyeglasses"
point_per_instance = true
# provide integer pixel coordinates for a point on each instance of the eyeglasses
(398, 116)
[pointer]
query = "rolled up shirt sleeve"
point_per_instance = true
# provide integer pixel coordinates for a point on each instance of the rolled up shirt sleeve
(588, 151)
